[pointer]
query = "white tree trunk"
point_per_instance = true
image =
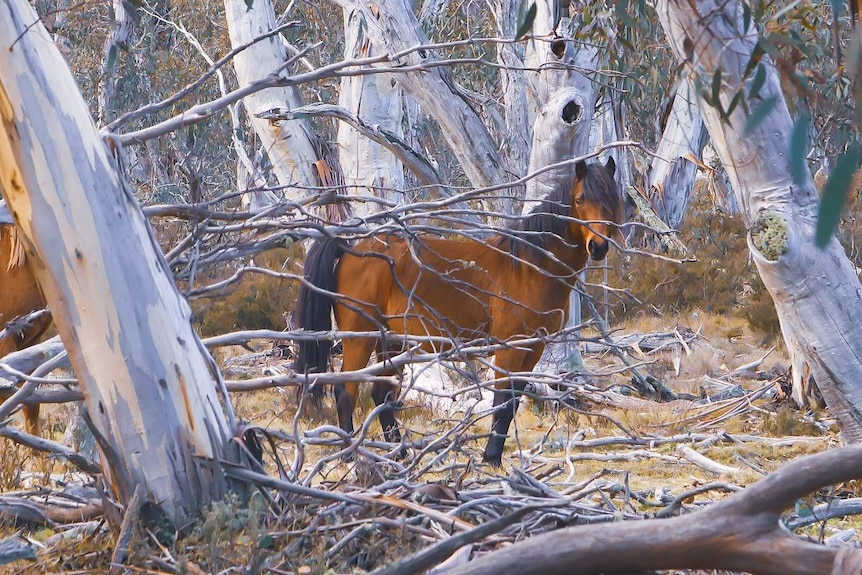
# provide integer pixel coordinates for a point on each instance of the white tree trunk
(369, 168)
(289, 142)
(121, 33)
(516, 148)
(393, 29)
(149, 384)
(816, 292)
(610, 126)
(562, 102)
(673, 172)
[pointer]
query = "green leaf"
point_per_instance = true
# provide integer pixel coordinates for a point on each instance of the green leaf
(266, 542)
(746, 16)
(716, 86)
(734, 103)
(757, 82)
(527, 24)
(759, 114)
(835, 195)
(799, 149)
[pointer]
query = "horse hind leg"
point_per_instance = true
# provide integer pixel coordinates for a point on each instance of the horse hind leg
(356, 354)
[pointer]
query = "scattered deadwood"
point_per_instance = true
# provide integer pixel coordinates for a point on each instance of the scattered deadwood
(14, 549)
(130, 522)
(641, 343)
(740, 533)
(20, 510)
(52, 448)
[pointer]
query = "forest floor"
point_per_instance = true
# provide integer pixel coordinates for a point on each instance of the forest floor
(616, 456)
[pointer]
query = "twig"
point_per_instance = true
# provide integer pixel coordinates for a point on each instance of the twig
(52, 448)
(127, 528)
(672, 507)
(431, 556)
(706, 463)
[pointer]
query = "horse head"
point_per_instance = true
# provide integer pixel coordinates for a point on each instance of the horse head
(596, 201)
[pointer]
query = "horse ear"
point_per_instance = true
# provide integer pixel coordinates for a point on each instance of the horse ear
(580, 170)
(611, 166)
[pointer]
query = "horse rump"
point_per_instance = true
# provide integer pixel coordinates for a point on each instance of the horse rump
(314, 308)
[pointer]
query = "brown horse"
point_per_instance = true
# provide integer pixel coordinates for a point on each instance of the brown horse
(514, 285)
(19, 295)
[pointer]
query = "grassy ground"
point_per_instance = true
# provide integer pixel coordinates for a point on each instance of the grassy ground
(231, 538)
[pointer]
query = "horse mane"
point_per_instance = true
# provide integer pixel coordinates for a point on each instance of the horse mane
(550, 218)
(17, 254)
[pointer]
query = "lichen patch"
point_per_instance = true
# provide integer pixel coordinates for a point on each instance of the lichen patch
(769, 235)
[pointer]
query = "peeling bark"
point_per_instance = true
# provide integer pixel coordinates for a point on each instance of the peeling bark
(816, 292)
(369, 168)
(673, 172)
(150, 387)
(288, 143)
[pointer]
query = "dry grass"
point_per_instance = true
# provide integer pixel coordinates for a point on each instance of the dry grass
(232, 536)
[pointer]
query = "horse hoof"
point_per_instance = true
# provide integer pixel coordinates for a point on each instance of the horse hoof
(494, 461)
(493, 457)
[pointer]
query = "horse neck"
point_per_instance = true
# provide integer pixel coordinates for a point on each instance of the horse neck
(569, 254)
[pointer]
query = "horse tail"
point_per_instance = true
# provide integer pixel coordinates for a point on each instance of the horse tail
(314, 308)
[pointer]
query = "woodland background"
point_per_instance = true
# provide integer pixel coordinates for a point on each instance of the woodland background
(705, 328)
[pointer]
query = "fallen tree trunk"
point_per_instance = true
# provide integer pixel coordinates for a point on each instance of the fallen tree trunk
(741, 533)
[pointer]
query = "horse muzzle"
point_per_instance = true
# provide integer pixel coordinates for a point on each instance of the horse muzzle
(598, 249)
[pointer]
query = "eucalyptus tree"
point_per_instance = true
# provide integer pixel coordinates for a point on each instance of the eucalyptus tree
(154, 395)
(816, 291)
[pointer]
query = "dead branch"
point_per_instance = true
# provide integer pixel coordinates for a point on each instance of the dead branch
(52, 448)
(18, 509)
(740, 533)
(435, 554)
(706, 463)
(15, 548)
(127, 528)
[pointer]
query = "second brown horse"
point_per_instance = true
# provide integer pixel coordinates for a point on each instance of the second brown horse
(19, 295)
(514, 285)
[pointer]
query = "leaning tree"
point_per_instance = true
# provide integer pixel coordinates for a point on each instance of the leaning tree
(161, 415)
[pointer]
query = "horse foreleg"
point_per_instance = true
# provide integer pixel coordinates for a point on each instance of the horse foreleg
(381, 393)
(31, 419)
(506, 399)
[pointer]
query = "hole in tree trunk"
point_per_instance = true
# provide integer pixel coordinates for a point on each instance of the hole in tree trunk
(571, 112)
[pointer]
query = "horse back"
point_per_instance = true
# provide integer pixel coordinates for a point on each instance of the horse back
(425, 286)
(461, 288)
